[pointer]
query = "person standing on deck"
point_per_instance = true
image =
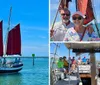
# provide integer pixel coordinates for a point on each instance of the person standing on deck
(19, 60)
(65, 63)
(79, 61)
(60, 28)
(60, 65)
(4, 62)
(84, 60)
(73, 67)
(16, 61)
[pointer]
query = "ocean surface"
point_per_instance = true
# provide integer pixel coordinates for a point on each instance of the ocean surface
(36, 74)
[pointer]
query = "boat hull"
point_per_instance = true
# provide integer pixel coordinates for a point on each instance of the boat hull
(13, 69)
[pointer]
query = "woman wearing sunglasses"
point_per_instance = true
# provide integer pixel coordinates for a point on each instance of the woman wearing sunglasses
(78, 32)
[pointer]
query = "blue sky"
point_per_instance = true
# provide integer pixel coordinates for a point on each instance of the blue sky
(33, 18)
(63, 51)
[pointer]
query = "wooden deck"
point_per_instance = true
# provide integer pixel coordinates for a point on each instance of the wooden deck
(85, 75)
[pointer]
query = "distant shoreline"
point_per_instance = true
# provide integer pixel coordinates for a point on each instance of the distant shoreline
(25, 57)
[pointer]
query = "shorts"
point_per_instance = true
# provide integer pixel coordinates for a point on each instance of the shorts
(62, 69)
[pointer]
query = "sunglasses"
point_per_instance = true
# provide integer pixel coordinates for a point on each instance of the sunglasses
(65, 14)
(79, 18)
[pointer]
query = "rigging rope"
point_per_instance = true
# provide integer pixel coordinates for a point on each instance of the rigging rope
(95, 19)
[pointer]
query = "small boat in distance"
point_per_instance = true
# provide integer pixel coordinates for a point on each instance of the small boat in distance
(12, 47)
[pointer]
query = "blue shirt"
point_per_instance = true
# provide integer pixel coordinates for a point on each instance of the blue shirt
(84, 60)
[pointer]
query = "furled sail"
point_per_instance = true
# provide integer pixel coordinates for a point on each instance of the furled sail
(14, 41)
(1, 39)
(85, 6)
(64, 3)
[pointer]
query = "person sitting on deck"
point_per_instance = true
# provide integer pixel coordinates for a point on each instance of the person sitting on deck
(84, 60)
(60, 65)
(73, 67)
(4, 62)
(16, 61)
(79, 61)
(19, 60)
(65, 63)
(88, 61)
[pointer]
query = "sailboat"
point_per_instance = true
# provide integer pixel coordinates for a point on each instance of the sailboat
(13, 47)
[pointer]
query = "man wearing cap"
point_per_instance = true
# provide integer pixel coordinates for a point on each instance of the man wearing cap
(60, 28)
(78, 32)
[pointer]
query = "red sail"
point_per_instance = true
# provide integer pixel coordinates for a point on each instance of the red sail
(14, 41)
(64, 3)
(85, 6)
(1, 39)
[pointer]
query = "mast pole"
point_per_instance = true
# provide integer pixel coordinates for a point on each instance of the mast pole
(76, 5)
(6, 38)
(55, 53)
(56, 15)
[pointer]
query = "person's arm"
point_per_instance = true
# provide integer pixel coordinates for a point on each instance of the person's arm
(51, 32)
(90, 29)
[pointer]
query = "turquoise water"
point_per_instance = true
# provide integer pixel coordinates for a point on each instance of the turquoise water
(29, 75)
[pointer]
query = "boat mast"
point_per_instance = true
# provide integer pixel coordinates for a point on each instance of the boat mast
(76, 5)
(55, 53)
(56, 15)
(6, 38)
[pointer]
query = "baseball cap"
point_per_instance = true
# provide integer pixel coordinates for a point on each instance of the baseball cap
(79, 13)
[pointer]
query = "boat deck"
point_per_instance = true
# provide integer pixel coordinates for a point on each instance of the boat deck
(64, 82)
(70, 80)
(74, 81)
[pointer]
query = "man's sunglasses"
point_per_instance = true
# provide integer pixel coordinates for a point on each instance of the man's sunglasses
(79, 18)
(65, 14)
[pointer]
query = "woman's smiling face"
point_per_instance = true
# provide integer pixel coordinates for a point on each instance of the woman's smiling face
(77, 20)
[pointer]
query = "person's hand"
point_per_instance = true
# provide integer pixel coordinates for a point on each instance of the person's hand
(51, 32)
(90, 29)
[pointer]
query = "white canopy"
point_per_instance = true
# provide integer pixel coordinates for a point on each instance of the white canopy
(83, 45)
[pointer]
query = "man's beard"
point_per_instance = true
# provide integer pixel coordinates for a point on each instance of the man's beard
(65, 20)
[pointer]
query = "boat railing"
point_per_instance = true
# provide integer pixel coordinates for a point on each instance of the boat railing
(84, 68)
